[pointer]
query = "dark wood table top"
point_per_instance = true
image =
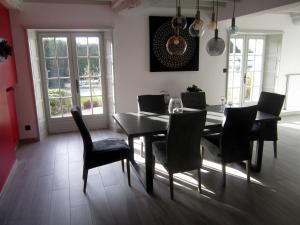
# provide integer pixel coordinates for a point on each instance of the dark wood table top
(146, 123)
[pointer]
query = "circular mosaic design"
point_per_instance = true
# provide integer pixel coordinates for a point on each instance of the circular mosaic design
(161, 36)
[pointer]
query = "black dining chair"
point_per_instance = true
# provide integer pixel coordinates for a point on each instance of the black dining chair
(152, 104)
(180, 152)
(102, 152)
(270, 103)
(233, 143)
(196, 100)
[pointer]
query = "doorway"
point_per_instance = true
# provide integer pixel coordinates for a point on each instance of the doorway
(73, 73)
(245, 68)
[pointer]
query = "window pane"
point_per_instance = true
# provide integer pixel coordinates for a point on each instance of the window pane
(94, 67)
(86, 105)
(65, 88)
(238, 63)
(97, 105)
(53, 88)
(81, 44)
(232, 46)
(63, 66)
(250, 63)
(259, 47)
(247, 94)
(96, 86)
(255, 94)
(251, 49)
(257, 76)
(237, 80)
(84, 86)
(55, 107)
(62, 47)
(258, 63)
(49, 47)
(66, 106)
(51, 68)
(83, 67)
(239, 46)
(93, 46)
(235, 95)
(230, 79)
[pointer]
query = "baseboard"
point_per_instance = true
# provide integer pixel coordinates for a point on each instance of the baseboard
(28, 140)
(8, 180)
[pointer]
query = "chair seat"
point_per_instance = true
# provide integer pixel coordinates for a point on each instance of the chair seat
(109, 145)
(160, 151)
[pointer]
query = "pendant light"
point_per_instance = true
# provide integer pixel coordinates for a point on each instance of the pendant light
(216, 45)
(176, 45)
(196, 29)
(233, 29)
(212, 23)
(179, 20)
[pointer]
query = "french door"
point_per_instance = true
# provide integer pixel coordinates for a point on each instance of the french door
(73, 74)
(246, 68)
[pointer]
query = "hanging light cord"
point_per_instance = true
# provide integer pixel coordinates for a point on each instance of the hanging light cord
(217, 14)
(233, 14)
(198, 5)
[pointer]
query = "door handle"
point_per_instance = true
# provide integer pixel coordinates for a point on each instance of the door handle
(245, 77)
(77, 86)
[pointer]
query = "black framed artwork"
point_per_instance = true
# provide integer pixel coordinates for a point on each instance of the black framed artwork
(160, 60)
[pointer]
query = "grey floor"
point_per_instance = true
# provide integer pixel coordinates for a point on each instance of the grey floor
(46, 189)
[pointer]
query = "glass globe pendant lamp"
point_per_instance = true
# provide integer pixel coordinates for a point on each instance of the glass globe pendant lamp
(216, 45)
(212, 23)
(196, 29)
(178, 20)
(176, 44)
(233, 29)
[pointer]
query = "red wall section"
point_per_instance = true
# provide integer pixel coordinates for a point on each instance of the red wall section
(9, 135)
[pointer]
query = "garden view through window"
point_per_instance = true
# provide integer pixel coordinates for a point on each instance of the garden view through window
(73, 74)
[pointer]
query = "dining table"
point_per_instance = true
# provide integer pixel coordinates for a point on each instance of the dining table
(148, 124)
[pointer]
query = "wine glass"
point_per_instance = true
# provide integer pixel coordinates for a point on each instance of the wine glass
(223, 100)
(175, 105)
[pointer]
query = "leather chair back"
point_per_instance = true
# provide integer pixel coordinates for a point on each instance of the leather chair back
(183, 140)
(85, 134)
(151, 103)
(270, 103)
(196, 100)
(236, 133)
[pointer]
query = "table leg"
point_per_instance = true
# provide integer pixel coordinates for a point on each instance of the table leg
(259, 153)
(149, 163)
(131, 146)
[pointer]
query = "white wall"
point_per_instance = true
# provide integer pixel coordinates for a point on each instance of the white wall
(131, 54)
(131, 57)
(132, 67)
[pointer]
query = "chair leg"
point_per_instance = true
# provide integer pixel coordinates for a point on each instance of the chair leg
(153, 166)
(171, 185)
(85, 176)
(224, 174)
(128, 171)
(199, 180)
(202, 154)
(248, 165)
(122, 162)
(275, 148)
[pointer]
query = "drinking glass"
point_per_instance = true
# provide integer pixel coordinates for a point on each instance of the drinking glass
(223, 100)
(175, 105)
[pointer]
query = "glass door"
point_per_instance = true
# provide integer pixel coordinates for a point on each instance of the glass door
(245, 72)
(73, 75)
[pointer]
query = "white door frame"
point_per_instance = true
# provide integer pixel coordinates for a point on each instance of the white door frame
(65, 124)
(246, 38)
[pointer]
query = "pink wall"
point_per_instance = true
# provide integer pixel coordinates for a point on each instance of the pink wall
(45, 16)
(9, 135)
(80, 16)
